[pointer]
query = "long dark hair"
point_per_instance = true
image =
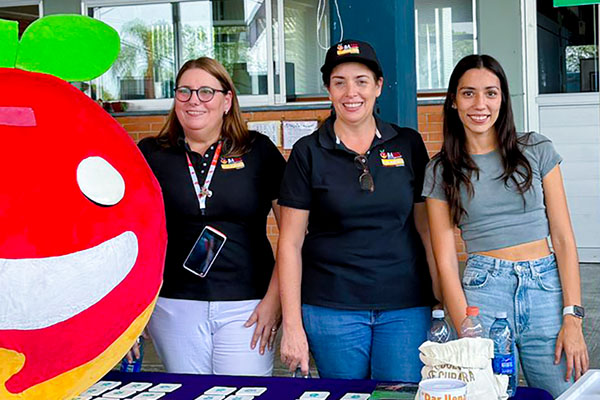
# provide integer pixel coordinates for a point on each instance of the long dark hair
(235, 133)
(457, 165)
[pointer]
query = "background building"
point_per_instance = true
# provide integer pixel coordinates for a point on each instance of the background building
(274, 48)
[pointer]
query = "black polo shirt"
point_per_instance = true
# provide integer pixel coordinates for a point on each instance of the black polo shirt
(362, 249)
(242, 192)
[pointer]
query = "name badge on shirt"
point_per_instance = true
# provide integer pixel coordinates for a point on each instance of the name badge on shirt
(232, 163)
(391, 158)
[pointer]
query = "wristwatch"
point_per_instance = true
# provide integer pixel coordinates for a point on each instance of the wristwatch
(574, 310)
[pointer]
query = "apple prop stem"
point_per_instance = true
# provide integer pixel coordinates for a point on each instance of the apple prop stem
(70, 47)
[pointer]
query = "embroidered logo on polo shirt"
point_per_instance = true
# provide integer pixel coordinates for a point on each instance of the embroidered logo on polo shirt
(350, 48)
(232, 163)
(391, 159)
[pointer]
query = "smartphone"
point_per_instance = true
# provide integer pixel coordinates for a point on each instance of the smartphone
(205, 251)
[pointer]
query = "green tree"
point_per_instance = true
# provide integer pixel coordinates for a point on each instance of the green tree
(147, 51)
(576, 53)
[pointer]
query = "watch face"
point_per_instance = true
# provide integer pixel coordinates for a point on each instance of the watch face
(578, 311)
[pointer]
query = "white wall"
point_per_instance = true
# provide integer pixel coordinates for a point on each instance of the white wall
(572, 121)
(500, 34)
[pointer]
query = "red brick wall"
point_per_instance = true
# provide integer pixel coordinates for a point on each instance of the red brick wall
(290, 115)
(430, 126)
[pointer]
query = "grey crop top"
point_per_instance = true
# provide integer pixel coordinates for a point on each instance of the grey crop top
(496, 217)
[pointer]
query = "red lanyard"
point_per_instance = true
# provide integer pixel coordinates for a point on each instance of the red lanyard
(203, 192)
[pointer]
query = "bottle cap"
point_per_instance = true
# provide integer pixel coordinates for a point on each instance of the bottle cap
(472, 311)
(501, 314)
(437, 313)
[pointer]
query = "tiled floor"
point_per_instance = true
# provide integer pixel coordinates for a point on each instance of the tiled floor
(590, 278)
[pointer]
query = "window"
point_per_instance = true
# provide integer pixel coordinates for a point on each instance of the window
(24, 12)
(567, 48)
(145, 68)
(244, 35)
(445, 33)
(303, 56)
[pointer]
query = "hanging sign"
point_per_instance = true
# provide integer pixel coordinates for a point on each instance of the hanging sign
(569, 3)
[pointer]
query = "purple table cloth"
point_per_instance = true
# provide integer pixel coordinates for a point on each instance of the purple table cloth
(277, 388)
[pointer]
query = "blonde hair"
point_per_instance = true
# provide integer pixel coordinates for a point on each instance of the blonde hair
(237, 139)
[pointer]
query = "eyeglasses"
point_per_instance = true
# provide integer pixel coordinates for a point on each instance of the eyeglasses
(204, 93)
(365, 179)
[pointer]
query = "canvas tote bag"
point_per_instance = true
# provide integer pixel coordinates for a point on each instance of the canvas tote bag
(467, 359)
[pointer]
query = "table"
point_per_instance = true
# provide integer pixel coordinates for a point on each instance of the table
(278, 388)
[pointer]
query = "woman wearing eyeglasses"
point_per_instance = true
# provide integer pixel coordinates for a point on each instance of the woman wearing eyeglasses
(354, 279)
(215, 173)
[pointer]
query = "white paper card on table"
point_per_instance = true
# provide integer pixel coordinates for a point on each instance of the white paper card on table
(119, 394)
(165, 387)
(314, 395)
(148, 395)
(137, 386)
(240, 397)
(254, 391)
(107, 385)
(294, 130)
(82, 398)
(221, 390)
(271, 129)
(95, 391)
(356, 396)
(210, 397)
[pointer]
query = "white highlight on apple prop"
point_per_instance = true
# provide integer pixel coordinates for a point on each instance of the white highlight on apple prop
(100, 182)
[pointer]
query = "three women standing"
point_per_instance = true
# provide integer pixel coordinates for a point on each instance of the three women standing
(356, 284)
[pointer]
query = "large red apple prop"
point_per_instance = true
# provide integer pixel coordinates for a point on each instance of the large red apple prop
(82, 238)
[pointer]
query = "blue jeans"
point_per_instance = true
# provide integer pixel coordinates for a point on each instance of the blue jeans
(530, 293)
(381, 345)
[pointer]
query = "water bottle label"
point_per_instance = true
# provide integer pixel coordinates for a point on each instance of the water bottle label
(504, 364)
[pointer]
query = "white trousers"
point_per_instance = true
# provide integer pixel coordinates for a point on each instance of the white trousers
(207, 337)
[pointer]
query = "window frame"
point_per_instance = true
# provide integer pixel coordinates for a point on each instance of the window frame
(438, 92)
(269, 99)
(18, 3)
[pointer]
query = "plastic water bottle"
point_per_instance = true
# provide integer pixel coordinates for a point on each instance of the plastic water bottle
(471, 326)
(453, 334)
(440, 330)
(504, 356)
(136, 365)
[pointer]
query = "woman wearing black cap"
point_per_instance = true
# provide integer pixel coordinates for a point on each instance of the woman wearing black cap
(355, 284)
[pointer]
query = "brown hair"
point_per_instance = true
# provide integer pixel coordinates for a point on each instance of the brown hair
(237, 138)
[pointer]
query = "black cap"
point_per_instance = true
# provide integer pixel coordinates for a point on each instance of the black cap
(350, 51)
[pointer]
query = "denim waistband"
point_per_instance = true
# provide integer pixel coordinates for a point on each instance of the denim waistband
(491, 263)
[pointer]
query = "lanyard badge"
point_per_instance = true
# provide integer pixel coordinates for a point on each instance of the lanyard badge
(204, 192)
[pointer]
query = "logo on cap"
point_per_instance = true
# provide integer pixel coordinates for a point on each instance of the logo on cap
(350, 48)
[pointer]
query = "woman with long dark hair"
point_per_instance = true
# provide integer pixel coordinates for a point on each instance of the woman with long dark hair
(215, 175)
(504, 191)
